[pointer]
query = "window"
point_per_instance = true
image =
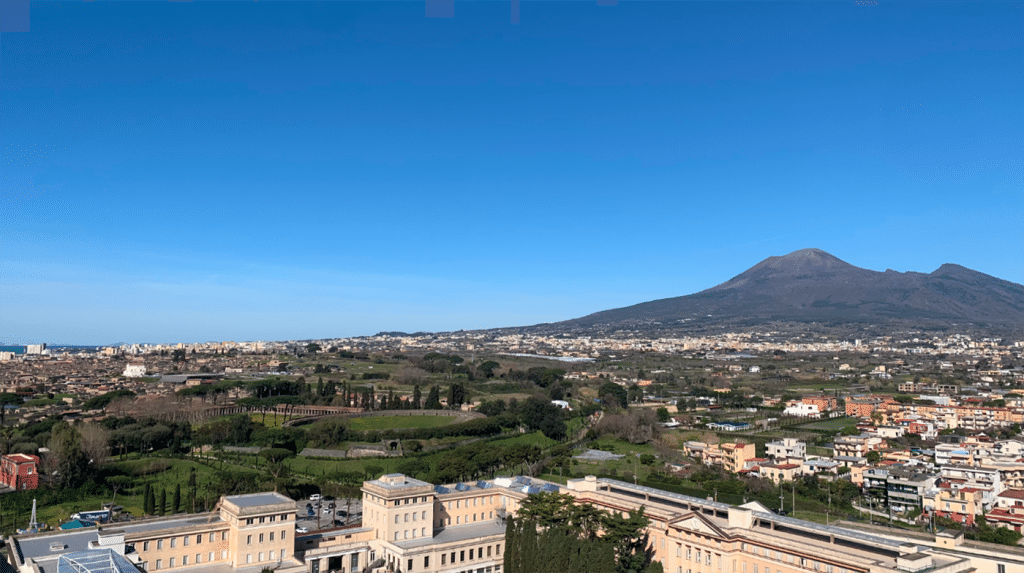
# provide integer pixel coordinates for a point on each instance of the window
(271, 535)
(396, 519)
(159, 543)
(174, 542)
(145, 546)
(223, 535)
(426, 562)
(261, 541)
(184, 540)
(1000, 568)
(261, 521)
(424, 516)
(199, 539)
(423, 532)
(453, 557)
(396, 536)
(488, 550)
(272, 553)
(159, 563)
(248, 521)
(224, 554)
(707, 558)
(689, 554)
(409, 568)
(184, 560)
(470, 554)
(248, 540)
(211, 538)
(497, 549)
(261, 556)
(210, 556)
(443, 559)
(462, 556)
(172, 563)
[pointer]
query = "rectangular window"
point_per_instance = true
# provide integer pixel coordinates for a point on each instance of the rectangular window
(185, 540)
(211, 538)
(272, 554)
(679, 550)
(426, 562)
(462, 556)
(283, 534)
(444, 559)
(174, 541)
(248, 540)
(453, 557)
(184, 560)
(470, 554)
(172, 563)
(223, 535)
(488, 550)
(261, 541)
(497, 549)
(271, 535)
(159, 563)
(224, 554)
(210, 556)
(261, 556)
(410, 565)
(145, 546)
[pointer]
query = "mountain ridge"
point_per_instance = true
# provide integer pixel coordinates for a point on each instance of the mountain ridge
(813, 286)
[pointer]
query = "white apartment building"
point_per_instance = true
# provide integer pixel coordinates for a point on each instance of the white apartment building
(786, 449)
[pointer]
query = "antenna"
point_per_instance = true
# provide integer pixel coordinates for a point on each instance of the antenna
(32, 525)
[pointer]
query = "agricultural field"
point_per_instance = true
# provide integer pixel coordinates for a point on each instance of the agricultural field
(399, 422)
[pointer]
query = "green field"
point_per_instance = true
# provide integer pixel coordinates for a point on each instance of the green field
(399, 422)
(832, 424)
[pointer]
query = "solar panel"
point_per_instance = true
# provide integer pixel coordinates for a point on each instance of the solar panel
(483, 485)
(440, 489)
(550, 487)
(461, 487)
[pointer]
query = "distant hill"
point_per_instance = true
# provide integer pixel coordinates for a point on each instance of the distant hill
(812, 286)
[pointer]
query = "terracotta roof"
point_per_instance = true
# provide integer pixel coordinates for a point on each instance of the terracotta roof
(1013, 493)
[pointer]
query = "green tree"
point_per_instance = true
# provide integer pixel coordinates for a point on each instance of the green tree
(663, 415)
(416, 397)
(161, 502)
(148, 503)
(433, 399)
(616, 393)
(176, 500)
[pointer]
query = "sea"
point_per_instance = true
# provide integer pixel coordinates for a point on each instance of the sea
(14, 349)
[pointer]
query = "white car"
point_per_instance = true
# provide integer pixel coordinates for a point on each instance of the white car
(314, 497)
(301, 530)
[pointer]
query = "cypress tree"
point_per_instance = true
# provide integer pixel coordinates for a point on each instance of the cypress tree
(176, 503)
(161, 502)
(147, 500)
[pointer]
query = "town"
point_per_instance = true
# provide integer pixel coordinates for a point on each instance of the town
(715, 438)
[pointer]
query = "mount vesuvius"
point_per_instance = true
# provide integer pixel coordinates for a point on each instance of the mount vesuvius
(812, 286)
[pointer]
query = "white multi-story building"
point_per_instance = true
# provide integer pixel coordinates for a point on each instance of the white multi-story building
(786, 449)
(134, 371)
(802, 410)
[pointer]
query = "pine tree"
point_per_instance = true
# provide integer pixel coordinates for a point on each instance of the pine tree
(433, 399)
(416, 396)
(176, 503)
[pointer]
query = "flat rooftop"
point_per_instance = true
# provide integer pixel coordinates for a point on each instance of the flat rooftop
(36, 546)
(457, 533)
(258, 499)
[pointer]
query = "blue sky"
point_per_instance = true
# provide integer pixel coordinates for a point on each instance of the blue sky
(276, 170)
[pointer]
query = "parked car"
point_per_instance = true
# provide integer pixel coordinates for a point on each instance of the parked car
(301, 530)
(315, 497)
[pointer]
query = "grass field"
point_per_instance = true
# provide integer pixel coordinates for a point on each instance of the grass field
(833, 424)
(399, 422)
